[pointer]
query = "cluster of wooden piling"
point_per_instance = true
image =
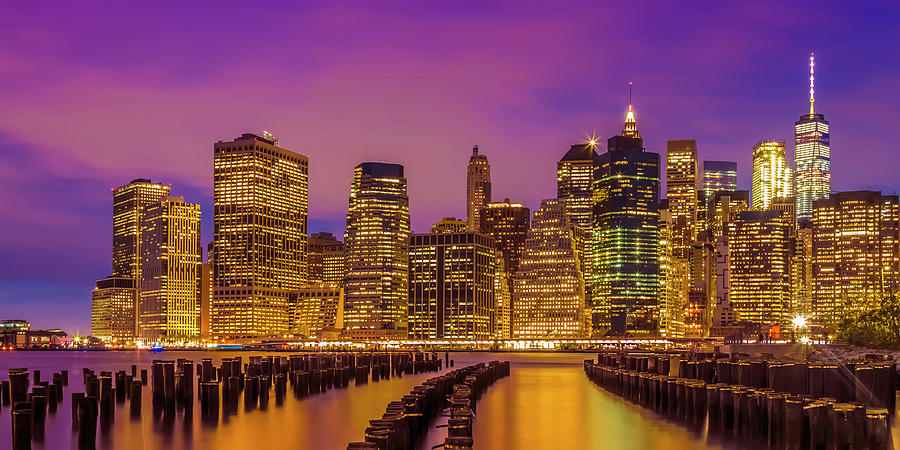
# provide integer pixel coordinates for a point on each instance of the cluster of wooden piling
(781, 404)
(30, 409)
(406, 421)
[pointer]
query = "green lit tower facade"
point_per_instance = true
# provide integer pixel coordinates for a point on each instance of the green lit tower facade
(626, 215)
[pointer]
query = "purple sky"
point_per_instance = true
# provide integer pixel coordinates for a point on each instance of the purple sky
(94, 95)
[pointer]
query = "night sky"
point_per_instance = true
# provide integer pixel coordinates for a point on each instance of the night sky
(92, 96)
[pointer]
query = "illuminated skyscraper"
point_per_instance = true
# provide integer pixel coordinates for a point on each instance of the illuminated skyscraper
(260, 201)
(129, 202)
(450, 225)
(759, 247)
(376, 284)
(204, 296)
(722, 206)
(451, 286)
(681, 179)
(719, 176)
(549, 285)
(812, 154)
(170, 256)
(112, 309)
(507, 223)
(315, 310)
(626, 235)
(855, 251)
(326, 260)
(478, 188)
(574, 189)
(673, 278)
(502, 299)
(772, 177)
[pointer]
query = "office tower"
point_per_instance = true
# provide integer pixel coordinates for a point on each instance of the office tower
(451, 286)
(204, 297)
(502, 298)
(478, 188)
(673, 278)
(260, 200)
(722, 206)
(723, 274)
(626, 235)
(772, 177)
(317, 311)
(507, 223)
(326, 260)
(681, 179)
(574, 189)
(855, 252)
(376, 283)
(802, 270)
(702, 290)
(548, 288)
(112, 309)
(812, 154)
(719, 176)
(759, 246)
(788, 208)
(170, 247)
(450, 225)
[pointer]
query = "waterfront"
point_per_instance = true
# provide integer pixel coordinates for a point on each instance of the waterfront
(547, 402)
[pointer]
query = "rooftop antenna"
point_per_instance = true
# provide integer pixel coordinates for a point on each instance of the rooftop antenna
(812, 83)
(629, 95)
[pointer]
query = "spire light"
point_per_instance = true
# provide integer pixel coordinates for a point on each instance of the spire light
(812, 83)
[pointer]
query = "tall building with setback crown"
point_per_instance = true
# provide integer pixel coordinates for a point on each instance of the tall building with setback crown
(112, 309)
(129, 202)
(549, 285)
(812, 154)
(507, 223)
(626, 235)
(575, 190)
(759, 248)
(170, 246)
(772, 176)
(326, 260)
(855, 251)
(260, 204)
(478, 188)
(451, 286)
(376, 284)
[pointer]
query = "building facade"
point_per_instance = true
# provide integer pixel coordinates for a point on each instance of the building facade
(812, 154)
(548, 293)
(575, 189)
(316, 310)
(451, 286)
(450, 225)
(772, 176)
(376, 283)
(759, 252)
(626, 236)
(170, 247)
(478, 188)
(681, 179)
(326, 260)
(112, 309)
(855, 252)
(719, 176)
(260, 205)
(507, 223)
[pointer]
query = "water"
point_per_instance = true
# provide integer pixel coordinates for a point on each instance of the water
(546, 403)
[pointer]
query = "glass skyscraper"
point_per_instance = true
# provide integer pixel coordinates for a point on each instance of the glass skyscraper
(772, 177)
(812, 155)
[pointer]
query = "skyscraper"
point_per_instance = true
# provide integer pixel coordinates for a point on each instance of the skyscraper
(316, 309)
(719, 176)
(326, 260)
(502, 298)
(674, 278)
(549, 285)
(626, 235)
(451, 286)
(722, 206)
(759, 248)
(170, 248)
(507, 223)
(260, 203)
(478, 188)
(376, 284)
(772, 177)
(681, 179)
(575, 190)
(855, 251)
(112, 308)
(812, 154)
(129, 202)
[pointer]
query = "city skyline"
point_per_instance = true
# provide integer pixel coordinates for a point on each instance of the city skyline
(58, 181)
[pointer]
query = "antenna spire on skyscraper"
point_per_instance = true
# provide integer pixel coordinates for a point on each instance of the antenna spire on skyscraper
(630, 122)
(812, 83)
